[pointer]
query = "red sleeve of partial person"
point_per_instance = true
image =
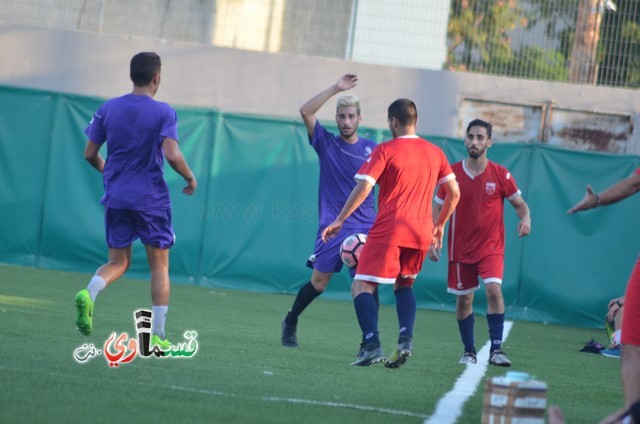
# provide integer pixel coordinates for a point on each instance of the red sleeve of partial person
(637, 171)
(445, 168)
(373, 167)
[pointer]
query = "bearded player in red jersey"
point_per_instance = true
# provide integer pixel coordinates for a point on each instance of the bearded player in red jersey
(476, 239)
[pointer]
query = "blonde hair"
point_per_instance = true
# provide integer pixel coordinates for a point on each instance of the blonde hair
(348, 101)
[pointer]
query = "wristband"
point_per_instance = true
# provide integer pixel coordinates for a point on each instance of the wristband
(597, 199)
(618, 303)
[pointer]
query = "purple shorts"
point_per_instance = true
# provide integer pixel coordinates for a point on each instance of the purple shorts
(124, 226)
(326, 256)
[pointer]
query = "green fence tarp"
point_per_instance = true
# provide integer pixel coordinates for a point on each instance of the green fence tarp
(252, 223)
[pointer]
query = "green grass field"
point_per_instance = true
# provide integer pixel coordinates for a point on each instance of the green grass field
(241, 374)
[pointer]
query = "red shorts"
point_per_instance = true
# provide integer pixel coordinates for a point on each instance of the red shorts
(631, 320)
(463, 278)
(383, 263)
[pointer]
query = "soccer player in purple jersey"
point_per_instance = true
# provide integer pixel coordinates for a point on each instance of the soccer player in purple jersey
(140, 132)
(340, 158)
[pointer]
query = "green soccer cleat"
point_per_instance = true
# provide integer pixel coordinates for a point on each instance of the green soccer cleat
(162, 344)
(84, 306)
(400, 354)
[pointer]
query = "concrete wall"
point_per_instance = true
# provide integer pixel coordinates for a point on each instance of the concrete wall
(273, 84)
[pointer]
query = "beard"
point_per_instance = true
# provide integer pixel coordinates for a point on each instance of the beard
(347, 132)
(476, 153)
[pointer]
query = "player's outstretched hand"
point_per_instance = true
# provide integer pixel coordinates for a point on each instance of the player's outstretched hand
(588, 201)
(330, 231)
(347, 82)
(191, 186)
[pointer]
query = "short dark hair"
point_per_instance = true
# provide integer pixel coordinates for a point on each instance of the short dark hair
(480, 123)
(404, 110)
(143, 67)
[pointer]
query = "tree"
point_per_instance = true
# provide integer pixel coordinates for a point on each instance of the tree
(478, 32)
(479, 39)
(619, 57)
(596, 46)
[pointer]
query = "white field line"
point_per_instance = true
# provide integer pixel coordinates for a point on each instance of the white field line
(219, 393)
(449, 407)
(303, 401)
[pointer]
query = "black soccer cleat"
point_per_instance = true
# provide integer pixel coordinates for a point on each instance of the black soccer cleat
(373, 354)
(288, 337)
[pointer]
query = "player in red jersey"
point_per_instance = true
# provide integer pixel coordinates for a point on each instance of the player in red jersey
(630, 368)
(476, 238)
(407, 169)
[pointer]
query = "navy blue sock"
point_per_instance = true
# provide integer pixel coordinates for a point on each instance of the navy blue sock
(367, 315)
(496, 326)
(406, 309)
(305, 296)
(376, 297)
(466, 333)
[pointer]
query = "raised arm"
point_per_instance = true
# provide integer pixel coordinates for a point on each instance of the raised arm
(619, 191)
(176, 161)
(309, 109)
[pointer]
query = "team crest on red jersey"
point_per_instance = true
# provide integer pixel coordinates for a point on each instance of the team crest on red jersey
(490, 188)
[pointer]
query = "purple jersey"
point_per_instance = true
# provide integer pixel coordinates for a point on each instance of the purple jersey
(134, 127)
(339, 163)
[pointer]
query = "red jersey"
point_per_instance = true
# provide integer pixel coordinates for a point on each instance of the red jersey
(407, 169)
(476, 229)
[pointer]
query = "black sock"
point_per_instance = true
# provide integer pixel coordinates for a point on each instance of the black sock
(305, 296)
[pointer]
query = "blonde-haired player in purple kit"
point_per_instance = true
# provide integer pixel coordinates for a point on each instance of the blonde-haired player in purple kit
(140, 132)
(340, 158)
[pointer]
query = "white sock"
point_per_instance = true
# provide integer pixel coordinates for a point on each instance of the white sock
(617, 335)
(96, 285)
(157, 322)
